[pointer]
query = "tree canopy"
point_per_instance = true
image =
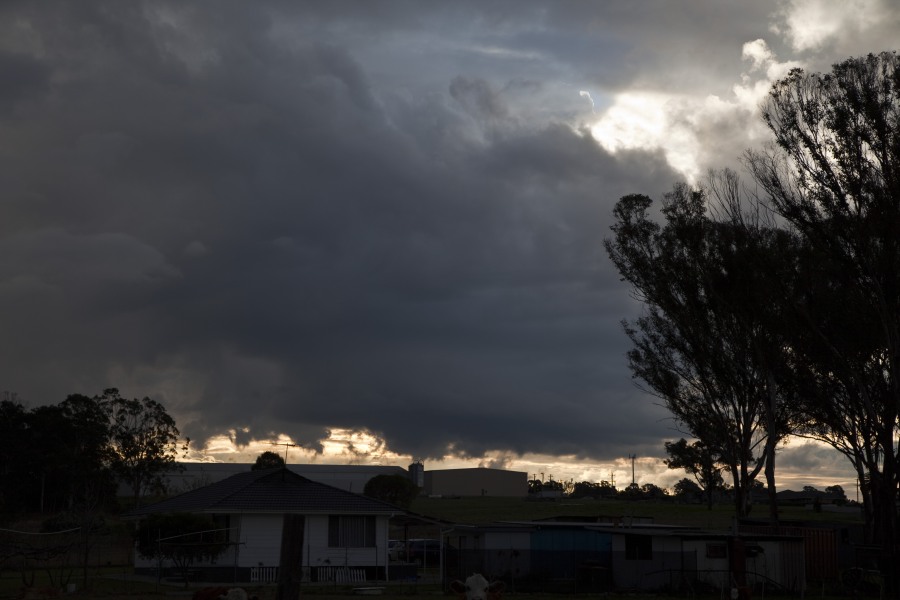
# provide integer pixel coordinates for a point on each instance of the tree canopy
(704, 344)
(699, 461)
(65, 457)
(395, 489)
(267, 460)
(833, 175)
(778, 310)
(144, 441)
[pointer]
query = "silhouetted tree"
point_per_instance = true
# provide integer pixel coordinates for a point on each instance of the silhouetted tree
(395, 489)
(607, 490)
(55, 458)
(63, 458)
(688, 489)
(838, 491)
(92, 488)
(87, 443)
(267, 460)
(698, 461)
(553, 486)
(14, 446)
(704, 344)
(834, 176)
(145, 441)
(631, 492)
(50, 480)
(585, 489)
(651, 491)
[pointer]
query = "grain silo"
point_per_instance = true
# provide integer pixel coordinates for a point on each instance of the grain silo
(417, 474)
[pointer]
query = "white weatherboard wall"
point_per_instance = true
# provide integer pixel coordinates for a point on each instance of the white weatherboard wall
(652, 573)
(227, 557)
(260, 544)
(260, 540)
(320, 555)
(711, 569)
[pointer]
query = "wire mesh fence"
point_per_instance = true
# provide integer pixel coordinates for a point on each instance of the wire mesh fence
(560, 571)
(58, 559)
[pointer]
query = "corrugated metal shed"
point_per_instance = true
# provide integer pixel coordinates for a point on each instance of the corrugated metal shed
(820, 546)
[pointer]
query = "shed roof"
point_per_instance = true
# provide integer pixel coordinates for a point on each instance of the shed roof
(275, 490)
(647, 530)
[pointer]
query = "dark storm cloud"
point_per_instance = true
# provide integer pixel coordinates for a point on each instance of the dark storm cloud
(371, 216)
(23, 77)
(246, 230)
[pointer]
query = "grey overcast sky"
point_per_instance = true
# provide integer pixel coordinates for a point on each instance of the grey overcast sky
(373, 229)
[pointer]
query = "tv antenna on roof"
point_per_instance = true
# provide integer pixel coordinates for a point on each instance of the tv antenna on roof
(286, 446)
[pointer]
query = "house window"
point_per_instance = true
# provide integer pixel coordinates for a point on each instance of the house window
(346, 531)
(638, 547)
(716, 551)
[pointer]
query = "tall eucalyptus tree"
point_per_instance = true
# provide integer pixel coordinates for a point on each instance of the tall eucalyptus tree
(706, 344)
(834, 176)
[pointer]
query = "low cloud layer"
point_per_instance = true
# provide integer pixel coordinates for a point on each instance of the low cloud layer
(288, 219)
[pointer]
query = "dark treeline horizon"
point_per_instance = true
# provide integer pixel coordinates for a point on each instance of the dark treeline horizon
(70, 457)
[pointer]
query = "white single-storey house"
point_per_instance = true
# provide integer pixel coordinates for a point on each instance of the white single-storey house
(344, 535)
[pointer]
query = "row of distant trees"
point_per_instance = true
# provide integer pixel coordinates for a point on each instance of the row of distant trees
(773, 309)
(685, 490)
(69, 457)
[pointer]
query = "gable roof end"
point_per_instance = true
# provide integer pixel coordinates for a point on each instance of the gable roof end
(275, 490)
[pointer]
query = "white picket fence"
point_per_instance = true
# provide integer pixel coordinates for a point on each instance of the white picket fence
(341, 575)
(344, 575)
(263, 574)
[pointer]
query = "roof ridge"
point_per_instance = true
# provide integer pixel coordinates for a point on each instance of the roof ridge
(252, 476)
(270, 489)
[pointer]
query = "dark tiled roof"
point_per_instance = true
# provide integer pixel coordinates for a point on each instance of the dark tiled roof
(273, 490)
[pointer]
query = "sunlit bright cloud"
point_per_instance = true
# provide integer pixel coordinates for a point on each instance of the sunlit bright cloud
(811, 24)
(649, 121)
(800, 462)
(765, 69)
(678, 125)
(346, 446)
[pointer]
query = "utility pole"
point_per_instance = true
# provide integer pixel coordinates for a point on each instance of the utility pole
(632, 457)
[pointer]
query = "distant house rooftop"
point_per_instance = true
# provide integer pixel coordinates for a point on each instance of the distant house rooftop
(277, 490)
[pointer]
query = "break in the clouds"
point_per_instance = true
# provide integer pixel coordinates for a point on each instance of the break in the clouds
(296, 219)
